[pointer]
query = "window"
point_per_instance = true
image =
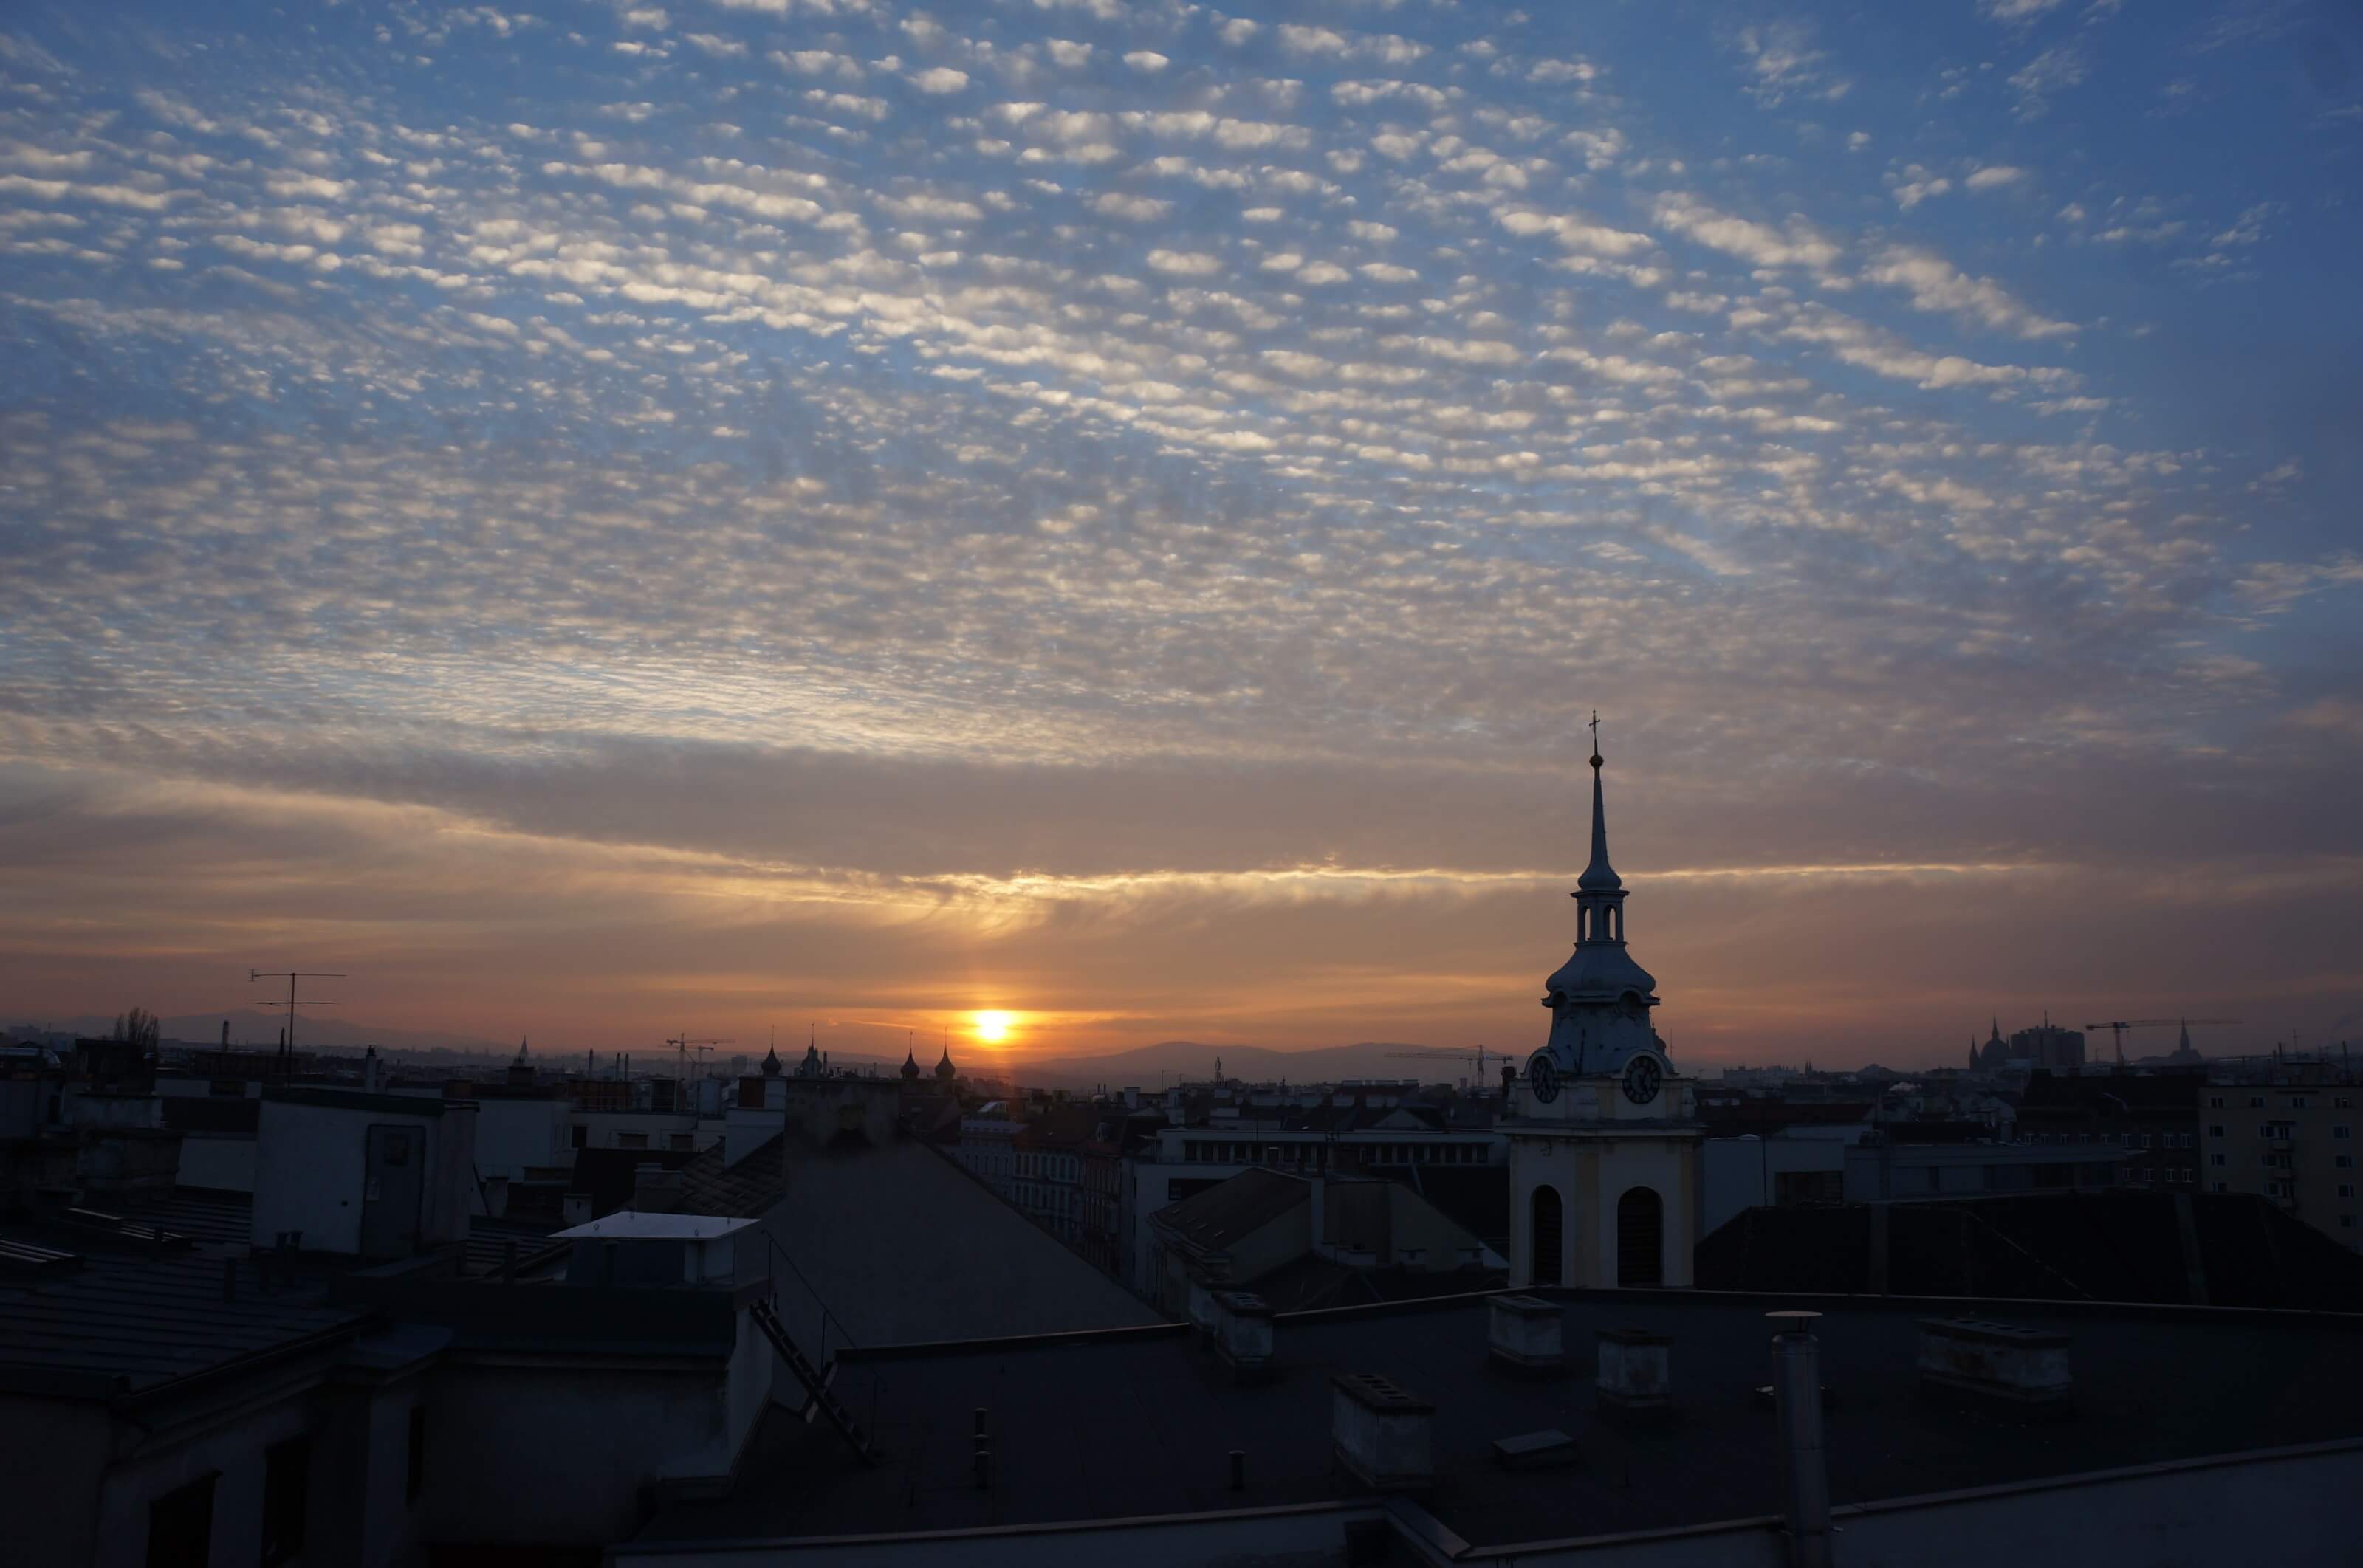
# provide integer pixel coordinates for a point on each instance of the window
(2277, 1189)
(2299, 1101)
(414, 1480)
(2218, 1159)
(2256, 1102)
(286, 1495)
(2214, 1102)
(2342, 1130)
(679, 1140)
(2345, 1189)
(2215, 1130)
(578, 1137)
(2217, 1187)
(181, 1526)
(2347, 1222)
(2342, 1102)
(631, 1140)
(2344, 1161)
(2149, 1175)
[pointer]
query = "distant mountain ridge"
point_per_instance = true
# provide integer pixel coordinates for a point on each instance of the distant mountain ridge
(1150, 1067)
(257, 1027)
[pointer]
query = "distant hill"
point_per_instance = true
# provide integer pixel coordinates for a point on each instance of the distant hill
(250, 1026)
(1150, 1067)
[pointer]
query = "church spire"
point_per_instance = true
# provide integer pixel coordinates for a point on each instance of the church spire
(1599, 875)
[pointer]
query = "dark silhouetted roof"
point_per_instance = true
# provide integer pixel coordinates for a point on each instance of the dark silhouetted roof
(902, 1245)
(708, 1186)
(2107, 1246)
(1230, 1211)
(2147, 1091)
(2151, 1385)
(608, 1176)
(1475, 1197)
(211, 1113)
(130, 1320)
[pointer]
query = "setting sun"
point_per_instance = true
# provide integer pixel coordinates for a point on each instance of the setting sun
(992, 1028)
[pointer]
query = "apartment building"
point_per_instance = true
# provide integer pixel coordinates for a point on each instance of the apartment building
(2291, 1138)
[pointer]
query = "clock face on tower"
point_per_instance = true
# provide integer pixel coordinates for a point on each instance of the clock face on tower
(1642, 1078)
(1543, 1079)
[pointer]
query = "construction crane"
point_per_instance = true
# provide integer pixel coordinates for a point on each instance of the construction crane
(1478, 1054)
(683, 1044)
(2117, 1028)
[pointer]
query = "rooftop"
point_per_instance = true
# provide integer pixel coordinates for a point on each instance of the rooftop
(2111, 1245)
(902, 1240)
(1230, 1211)
(629, 1222)
(132, 1316)
(1067, 1450)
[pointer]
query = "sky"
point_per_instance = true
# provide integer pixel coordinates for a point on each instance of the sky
(604, 520)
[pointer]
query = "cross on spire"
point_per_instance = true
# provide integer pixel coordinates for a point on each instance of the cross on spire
(1596, 737)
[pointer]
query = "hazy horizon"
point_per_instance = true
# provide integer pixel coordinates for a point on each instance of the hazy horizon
(609, 521)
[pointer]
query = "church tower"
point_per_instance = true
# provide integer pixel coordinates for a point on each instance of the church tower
(1603, 1142)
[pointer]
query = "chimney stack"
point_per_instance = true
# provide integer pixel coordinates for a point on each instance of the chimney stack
(1526, 1335)
(1635, 1380)
(1997, 1365)
(1806, 1462)
(1243, 1334)
(1380, 1433)
(655, 1190)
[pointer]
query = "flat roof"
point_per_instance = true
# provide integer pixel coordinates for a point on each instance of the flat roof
(1141, 1422)
(627, 1223)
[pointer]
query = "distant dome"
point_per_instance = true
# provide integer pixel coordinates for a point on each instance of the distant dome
(944, 1071)
(910, 1066)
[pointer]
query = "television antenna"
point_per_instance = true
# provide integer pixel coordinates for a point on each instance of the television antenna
(291, 1004)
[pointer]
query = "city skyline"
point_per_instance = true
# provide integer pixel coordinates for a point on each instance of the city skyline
(609, 520)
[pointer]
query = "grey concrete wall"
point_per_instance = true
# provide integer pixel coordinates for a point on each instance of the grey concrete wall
(222, 1161)
(234, 1448)
(53, 1453)
(557, 1454)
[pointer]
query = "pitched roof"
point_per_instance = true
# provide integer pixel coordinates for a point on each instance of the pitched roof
(741, 1191)
(129, 1319)
(1232, 1211)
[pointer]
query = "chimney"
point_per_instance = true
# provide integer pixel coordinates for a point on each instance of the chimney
(1806, 1462)
(1526, 1335)
(496, 1196)
(655, 1190)
(224, 1045)
(459, 1088)
(1636, 1376)
(1997, 1365)
(575, 1208)
(369, 1070)
(1243, 1334)
(1380, 1433)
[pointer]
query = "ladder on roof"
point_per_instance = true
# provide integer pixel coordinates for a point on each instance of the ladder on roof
(820, 1398)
